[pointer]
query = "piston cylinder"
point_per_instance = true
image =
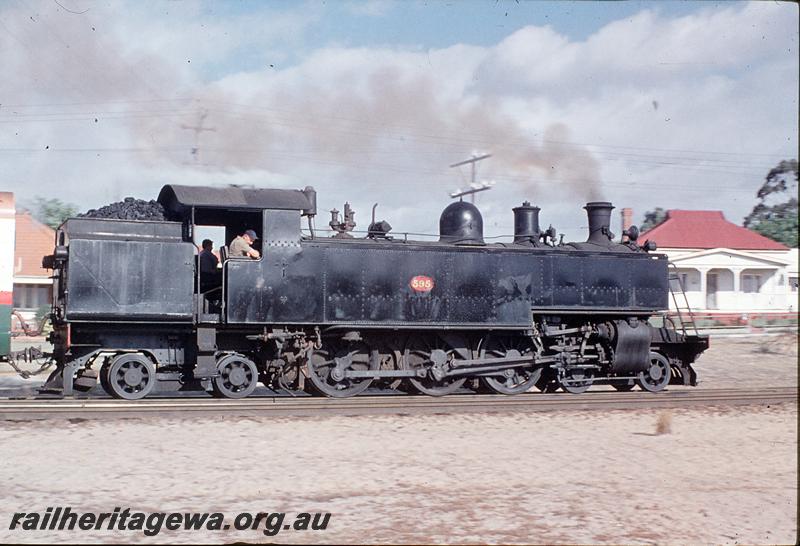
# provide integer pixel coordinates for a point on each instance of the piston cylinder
(631, 340)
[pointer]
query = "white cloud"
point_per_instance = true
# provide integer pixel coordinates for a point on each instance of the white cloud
(566, 120)
(370, 8)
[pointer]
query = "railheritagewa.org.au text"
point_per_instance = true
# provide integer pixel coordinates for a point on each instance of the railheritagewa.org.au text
(63, 518)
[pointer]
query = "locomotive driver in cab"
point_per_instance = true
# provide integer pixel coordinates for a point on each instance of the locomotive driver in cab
(241, 247)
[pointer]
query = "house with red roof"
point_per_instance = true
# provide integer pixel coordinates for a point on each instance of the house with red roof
(24, 285)
(33, 285)
(724, 267)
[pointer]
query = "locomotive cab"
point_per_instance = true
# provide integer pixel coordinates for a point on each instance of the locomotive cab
(221, 226)
(272, 213)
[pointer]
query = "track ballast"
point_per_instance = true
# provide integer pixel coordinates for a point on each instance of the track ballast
(275, 406)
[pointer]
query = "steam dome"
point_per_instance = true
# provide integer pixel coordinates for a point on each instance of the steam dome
(461, 223)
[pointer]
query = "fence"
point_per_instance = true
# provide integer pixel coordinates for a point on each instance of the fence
(739, 320)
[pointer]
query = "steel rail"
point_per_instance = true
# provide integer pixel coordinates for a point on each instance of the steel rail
(34, 409)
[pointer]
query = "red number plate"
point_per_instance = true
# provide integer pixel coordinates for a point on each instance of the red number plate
(421, 283)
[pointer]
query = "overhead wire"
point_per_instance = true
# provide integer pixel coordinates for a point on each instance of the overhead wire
(382, 167)
(630, 157)
(384, 129)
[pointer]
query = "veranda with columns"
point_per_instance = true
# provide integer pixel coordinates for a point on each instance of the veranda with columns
(746, 287)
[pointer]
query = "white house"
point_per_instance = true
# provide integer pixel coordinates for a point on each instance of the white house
(725, 268)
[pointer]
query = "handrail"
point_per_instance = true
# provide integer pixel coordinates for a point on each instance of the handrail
(688, 307)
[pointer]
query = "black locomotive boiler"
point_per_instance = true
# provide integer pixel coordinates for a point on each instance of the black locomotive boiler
(340, 314)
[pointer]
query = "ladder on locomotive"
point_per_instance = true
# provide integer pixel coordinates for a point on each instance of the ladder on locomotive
(682, 307)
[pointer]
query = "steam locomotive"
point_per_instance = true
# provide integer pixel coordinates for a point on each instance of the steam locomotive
(337, 315)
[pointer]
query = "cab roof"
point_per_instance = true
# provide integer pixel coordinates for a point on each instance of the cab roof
(177, 200)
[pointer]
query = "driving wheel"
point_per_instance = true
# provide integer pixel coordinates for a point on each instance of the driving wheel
(432, 355)
(514, 380)
(327, 368)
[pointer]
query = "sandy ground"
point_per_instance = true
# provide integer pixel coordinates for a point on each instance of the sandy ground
(722, 476)
(758, 361)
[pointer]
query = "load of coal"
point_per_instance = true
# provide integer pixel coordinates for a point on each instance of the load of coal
(128, 209)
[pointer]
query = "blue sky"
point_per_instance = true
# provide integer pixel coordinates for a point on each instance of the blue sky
(437, 24)
(646, 104)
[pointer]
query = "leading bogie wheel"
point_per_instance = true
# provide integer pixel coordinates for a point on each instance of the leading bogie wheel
(237, 377)
(577, 380)
(129, 376)
(656, 377)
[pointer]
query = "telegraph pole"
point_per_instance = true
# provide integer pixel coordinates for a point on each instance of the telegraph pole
(197, 130)
(474, 187)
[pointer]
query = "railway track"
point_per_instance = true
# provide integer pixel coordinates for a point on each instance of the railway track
(35, 409)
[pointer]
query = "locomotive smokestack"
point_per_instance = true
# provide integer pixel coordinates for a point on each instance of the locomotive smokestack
(526, 223)
(599, 213)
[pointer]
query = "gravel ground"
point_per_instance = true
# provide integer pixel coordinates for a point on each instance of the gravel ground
(722, 476)
(758, 361)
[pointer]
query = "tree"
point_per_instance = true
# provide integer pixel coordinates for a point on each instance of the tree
(52, 212)
(652, 218)
(775, 214)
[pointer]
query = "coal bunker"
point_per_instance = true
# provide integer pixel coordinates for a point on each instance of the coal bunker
(128, 209)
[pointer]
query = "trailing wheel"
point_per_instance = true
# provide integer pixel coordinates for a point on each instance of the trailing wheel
(511, 380)
(130, 376)
(432, 355)
(327, 367)
(577, 380)
(237, 377)
(657, 376)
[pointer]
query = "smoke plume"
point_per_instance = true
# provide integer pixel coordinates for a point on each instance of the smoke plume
(384, 122)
